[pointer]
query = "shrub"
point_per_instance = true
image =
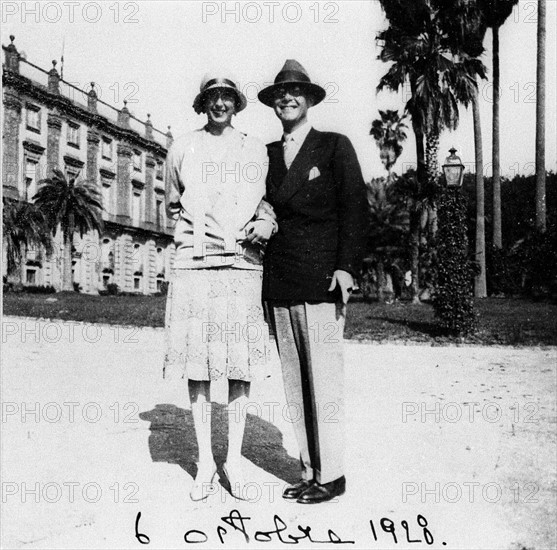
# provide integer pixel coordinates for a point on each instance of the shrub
(164, 288)
(39, 289)
(112, 289)
(505, 272)
(529, 267)
(539, 260)
(452, 300)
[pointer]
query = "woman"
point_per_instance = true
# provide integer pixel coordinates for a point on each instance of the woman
(214, 318)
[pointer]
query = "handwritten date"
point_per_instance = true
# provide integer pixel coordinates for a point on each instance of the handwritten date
(278, 533)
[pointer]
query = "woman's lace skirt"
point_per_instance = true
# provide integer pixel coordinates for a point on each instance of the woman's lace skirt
(215, 325)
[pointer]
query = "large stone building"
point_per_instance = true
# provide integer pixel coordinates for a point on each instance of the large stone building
(50, 123)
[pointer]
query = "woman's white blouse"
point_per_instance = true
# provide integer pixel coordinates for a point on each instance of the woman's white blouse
(213, 187)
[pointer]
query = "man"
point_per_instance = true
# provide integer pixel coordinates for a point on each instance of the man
(316, 187)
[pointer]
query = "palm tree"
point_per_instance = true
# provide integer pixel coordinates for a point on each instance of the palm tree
(388, 230)
(495, 13)
(467, 28)
(23, 227)
(389, 132)
(422, 51)
(540, 122)
(480, 283)
(71, 206)
(408, 187)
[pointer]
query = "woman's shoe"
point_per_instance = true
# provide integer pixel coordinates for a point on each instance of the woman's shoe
(236, 480)
(203, 482)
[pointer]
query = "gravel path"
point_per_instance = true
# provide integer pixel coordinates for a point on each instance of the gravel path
(462, 436)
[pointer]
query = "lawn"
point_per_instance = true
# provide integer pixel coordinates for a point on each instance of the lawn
(503, 321)
(137, 310)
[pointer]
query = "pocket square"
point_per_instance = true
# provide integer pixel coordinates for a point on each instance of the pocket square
(314, 173)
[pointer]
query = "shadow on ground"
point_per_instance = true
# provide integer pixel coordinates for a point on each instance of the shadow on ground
(427, 328)
(172, 440)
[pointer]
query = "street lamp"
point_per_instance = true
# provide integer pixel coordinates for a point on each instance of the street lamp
(453, 169)
(452, 300)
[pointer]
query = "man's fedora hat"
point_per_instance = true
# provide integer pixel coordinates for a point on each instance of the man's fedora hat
(219, 79)
(292, 73)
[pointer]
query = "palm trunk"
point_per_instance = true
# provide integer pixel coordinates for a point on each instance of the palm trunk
(432, 151)
(422, 267)
(21, 265)
(497, 228)
(423, 226)
(15, 267)
(540, 122)
(432, 223)
(480, 286)
(380, 281)
(432, 177)
(67, 278)
(429, 219)
(415, 214)
(417, 126)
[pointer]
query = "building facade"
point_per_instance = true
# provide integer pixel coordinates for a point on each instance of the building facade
(49, 123)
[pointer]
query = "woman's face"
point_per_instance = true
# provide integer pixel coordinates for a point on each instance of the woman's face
(220, 106)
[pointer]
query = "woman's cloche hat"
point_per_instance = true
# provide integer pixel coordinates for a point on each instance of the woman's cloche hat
(292, 73)
(219, 79)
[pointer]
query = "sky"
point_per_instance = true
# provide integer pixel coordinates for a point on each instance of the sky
(156, 53)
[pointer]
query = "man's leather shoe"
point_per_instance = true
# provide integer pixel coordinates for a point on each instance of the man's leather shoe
(318, 492)
(292, 492)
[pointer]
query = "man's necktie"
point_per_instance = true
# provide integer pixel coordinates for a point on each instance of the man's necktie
(289, 152)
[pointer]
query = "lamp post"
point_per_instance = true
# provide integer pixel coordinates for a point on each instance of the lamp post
(453, 169)
(452, 301)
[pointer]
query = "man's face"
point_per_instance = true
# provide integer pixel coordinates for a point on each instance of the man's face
(291, 104)
(220, 106)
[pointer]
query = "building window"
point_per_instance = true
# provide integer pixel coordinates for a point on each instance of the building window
(72, 173)
(33, 118)
(30, 179)
(137, 260)
(107, 255)
(137, 266)
(136, 206)
(158, 212)
(107, 195)
(107, 148)
(31, 276)
(137, 161)
(33, 253)
(160, 170)
(160, 262)
(73, 134)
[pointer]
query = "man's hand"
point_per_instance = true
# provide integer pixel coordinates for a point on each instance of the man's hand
(259, 231)
(345, 281)
(265, 210)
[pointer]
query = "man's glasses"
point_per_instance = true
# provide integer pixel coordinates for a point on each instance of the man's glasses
(283, 91)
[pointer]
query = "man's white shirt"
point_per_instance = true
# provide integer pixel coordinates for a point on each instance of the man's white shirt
(293, 142)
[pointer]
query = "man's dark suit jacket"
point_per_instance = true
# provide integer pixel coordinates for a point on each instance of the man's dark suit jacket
(322, 221)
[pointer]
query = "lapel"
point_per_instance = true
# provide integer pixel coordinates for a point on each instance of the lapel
(299, 169)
